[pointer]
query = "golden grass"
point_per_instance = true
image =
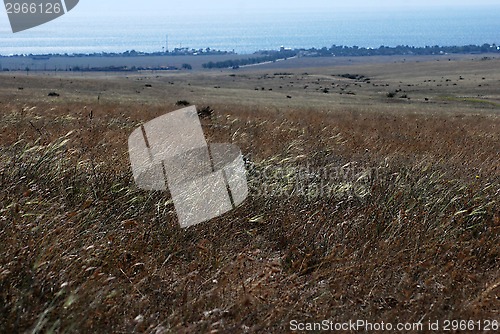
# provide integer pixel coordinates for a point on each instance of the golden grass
(408, 232)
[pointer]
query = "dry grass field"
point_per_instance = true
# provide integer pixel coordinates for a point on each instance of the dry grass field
(375, 194)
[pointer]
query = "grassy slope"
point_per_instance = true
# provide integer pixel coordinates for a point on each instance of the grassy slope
(407, 232)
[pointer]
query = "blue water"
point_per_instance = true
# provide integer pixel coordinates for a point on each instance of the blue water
(247, 33)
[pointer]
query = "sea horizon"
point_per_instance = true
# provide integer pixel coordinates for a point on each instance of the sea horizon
(249, 33)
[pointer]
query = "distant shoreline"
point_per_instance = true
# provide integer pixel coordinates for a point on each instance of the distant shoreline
(338, 50)
(190, 59)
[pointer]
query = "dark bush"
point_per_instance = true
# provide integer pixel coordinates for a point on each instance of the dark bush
(182, 103)
(205, 112)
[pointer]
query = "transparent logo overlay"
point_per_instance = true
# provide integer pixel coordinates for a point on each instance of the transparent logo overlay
(170, 152)
(311, 183)
(27, 14)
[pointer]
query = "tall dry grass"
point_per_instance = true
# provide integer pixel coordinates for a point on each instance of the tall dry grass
(408, 230)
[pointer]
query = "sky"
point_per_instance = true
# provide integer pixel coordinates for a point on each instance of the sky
(202, 6)
(147, 8)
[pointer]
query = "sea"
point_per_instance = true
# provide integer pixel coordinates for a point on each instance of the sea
(251, 32)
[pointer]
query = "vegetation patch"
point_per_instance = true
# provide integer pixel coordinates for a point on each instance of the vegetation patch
(470, 100)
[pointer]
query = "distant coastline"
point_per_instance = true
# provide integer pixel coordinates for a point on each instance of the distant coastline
(334, 50)
(215, 59)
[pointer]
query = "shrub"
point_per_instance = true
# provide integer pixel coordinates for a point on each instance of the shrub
(182, 103)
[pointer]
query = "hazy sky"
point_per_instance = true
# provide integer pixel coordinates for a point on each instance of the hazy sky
(201, 6)
(239, 7)
(139, 10)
